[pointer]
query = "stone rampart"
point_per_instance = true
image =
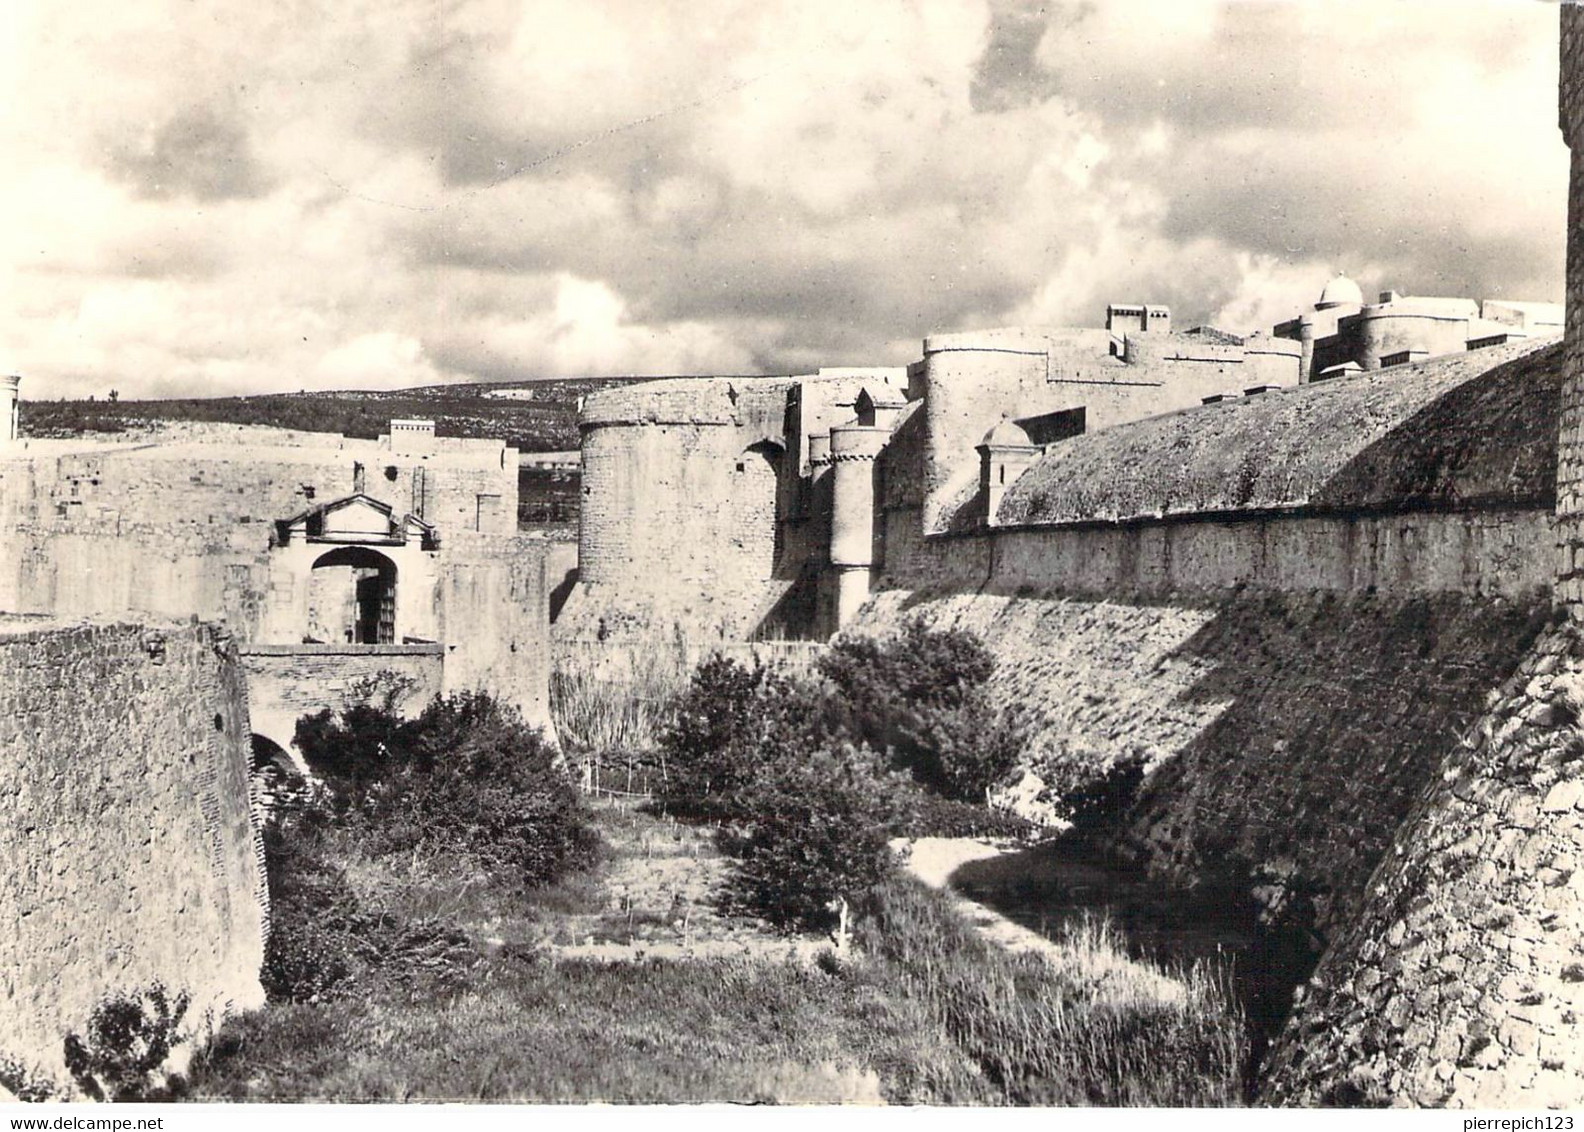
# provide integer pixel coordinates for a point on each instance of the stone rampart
(1461, 981)
(1286, 736)
(1497, 552)
(495, 621)
(131, 851)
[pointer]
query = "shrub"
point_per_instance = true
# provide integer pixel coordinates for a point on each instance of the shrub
(792, 761)
(734, 723)
(1096, 803)
(129, 1036)
(819, 832)
(922, 813)
(919, 695)
(467, 777)
(27, 1083)
(314, 916)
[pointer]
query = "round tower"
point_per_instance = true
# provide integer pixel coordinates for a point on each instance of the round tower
(852, 553)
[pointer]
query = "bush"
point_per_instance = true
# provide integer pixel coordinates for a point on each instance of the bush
(27, 1083)
(466, 782)
(315, 921)
(1096, 803)
(468, 777)
(792, 760)
(819, 832)
(733, 724)
(925, 814)
(920, 696)
(129, 1037)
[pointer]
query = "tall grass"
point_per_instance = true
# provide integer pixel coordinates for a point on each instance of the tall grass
(610, 706)
(1094, 1027)
(610, 703)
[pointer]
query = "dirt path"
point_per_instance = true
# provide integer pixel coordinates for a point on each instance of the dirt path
(1096, 953)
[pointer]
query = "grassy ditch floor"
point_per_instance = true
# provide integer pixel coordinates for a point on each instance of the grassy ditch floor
(626, 985)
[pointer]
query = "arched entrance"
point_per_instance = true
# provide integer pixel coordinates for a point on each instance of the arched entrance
(352, 597)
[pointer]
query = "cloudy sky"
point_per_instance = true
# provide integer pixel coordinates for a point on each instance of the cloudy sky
(235, 196)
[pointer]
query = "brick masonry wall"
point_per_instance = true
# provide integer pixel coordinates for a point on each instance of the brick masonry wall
(130, 849)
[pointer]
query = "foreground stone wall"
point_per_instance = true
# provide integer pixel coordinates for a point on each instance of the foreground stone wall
(130, 849)
(1462, 981)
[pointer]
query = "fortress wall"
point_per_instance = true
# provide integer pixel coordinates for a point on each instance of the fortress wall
(1461, 981)
(494, 607)
(1497, 552)
(678, 531)
(1570, 432)
(197, 495)
(666, 496)
(1287, 734)
(174, 532)
(968, 386)
(971, 380)
(130, 849)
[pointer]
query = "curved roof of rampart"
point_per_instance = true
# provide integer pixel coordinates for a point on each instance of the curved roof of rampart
(702, 399)
(1467, 430)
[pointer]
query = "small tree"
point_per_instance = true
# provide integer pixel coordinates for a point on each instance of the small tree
(920, 696)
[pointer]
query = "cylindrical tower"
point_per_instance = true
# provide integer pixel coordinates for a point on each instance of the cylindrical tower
(10, 408)
(853, 452)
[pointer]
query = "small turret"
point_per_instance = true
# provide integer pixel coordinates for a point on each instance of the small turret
(10, 409)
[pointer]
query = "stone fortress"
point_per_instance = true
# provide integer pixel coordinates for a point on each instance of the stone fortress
(170, 605)
(320, 555)
(1309, 580)
(772, 507)
(1324, 584)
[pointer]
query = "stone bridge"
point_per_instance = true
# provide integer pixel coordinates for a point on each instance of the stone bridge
(286, 682)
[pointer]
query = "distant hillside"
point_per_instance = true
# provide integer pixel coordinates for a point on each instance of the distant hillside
(536, 416)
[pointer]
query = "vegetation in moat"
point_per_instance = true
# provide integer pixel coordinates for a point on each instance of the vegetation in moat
(814, 774)
(453, 921)
(926, 1012)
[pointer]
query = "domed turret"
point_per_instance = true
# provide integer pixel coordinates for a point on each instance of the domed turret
(1340, 292)
(1006, 434)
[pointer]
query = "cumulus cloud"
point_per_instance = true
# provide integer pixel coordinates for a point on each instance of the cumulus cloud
(237, 197)
(196, 152)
